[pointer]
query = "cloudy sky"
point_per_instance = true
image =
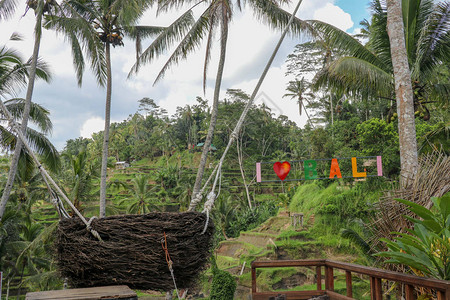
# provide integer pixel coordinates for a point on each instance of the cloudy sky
(80, 111)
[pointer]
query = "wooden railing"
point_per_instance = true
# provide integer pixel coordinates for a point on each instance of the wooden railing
(441, 287)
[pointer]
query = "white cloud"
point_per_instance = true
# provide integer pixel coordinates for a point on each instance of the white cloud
(334, 15)
(92, 125)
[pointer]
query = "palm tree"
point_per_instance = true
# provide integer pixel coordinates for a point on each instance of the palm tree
(36, 139)
(298, 90)
(103, 23)
(6, 10)
(368, 70)
(224, 212)
(13, 76)
(142, 195)
(82, 172)
(215, 19)
(403, 91)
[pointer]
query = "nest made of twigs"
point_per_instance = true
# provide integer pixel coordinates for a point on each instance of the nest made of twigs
(131, 252)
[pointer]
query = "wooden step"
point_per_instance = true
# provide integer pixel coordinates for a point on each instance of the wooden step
(105, 292)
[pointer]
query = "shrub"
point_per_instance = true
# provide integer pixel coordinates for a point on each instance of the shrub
(223, 284)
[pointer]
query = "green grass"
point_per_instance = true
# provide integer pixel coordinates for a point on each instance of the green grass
(226, 262)
(293, 234)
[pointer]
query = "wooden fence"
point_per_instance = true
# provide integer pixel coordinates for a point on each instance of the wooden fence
(376, 276)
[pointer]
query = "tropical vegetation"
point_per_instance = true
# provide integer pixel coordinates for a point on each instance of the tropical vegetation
(350, 103)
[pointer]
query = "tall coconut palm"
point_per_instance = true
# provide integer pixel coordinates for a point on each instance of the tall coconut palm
(403, 89)
(103, 23)
(298, 90)
(214, 19)
(368, 70)
(13, 75)
(7, 8)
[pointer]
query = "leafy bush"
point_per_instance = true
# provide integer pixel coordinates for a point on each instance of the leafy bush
(426, 249)
(223, 284)
(376, 137)
(249, 219)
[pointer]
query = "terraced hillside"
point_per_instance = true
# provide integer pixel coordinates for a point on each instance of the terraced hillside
(276, 239)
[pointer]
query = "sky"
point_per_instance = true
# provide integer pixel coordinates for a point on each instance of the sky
(77, 111)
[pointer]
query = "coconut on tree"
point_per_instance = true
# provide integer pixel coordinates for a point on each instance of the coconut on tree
(95, 26)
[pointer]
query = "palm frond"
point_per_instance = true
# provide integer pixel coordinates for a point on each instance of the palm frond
(7, 139)
(355, 76)
(166, 5)
(44, 148)
(75, 26)
(38, 114)
(272, 14)
(441, 93)
(165, 40)
(141, 32)
(346, 44)
(190, 42)
(433, 44)
(15, 36)
(7, 9)
(43, 70)
(12, 71)
(127, 11)
(359, 242)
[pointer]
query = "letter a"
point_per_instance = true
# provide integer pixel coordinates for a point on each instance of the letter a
(334, 169)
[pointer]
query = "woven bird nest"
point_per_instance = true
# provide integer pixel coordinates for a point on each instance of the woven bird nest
(131, 252)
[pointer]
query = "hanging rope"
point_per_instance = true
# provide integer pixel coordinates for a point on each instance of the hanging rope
(13, 125)
(196, 200)
(169, 262)
(234, 135)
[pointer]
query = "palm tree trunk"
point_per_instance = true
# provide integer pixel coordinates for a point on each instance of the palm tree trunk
(106, 132)
(26, 113)
(403, 92)
(201, 167)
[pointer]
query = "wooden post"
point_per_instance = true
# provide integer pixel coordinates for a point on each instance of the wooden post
(409, 292)
(253, 279)
(348, 281)
(329, 279)
(319, 278)
(378, 290)
(372, 288)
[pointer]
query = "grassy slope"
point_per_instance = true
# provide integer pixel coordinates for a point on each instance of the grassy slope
(326, 211)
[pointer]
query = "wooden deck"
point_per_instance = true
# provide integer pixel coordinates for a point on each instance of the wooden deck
(105, 292)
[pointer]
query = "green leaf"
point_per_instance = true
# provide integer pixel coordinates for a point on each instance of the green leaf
(419, 210)
(408, 260)
(443, 203)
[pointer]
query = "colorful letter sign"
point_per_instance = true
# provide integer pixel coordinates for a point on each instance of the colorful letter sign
(330, 168)
(334, 170)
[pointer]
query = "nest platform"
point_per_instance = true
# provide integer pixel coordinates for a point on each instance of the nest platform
(131, 252)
